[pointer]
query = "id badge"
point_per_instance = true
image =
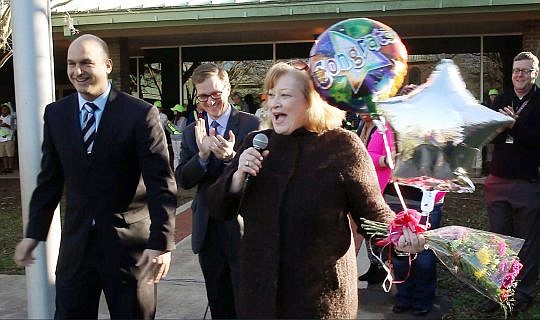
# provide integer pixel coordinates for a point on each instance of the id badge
(509, 139)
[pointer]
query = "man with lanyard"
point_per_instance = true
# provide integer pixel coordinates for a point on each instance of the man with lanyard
(512, 190)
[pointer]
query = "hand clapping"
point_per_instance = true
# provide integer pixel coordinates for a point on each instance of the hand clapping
(213, 143)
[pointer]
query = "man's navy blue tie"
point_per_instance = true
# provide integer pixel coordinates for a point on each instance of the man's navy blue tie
(89, 126)
(215, 125)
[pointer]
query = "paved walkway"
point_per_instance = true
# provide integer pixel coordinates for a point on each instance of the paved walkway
(12, 175)
(182, 295)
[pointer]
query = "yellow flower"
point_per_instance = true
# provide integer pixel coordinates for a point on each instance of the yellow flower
(479, 273)
(483, 256)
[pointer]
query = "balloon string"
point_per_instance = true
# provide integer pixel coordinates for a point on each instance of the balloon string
(400, 196)
(389, 157)
(389, 279)
(381, 127)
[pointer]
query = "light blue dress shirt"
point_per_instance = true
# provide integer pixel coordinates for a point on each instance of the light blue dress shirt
(100, 102)
(223, 120)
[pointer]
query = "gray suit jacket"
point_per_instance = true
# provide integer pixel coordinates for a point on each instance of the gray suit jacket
(190, 173)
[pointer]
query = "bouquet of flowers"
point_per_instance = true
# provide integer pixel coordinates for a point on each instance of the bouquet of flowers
(485, 261)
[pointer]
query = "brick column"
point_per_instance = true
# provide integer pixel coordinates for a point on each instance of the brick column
(531, 37)
(120, 56)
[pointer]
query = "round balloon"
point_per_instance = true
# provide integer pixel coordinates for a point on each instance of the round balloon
(356, 62)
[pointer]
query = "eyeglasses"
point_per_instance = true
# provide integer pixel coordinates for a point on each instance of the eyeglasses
(299, 65)
(214, 95)
(522, 71)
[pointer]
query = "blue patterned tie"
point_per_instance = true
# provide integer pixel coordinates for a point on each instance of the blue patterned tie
(215, 125)
(89, 126)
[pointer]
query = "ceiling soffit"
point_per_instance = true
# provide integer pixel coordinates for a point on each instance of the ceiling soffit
(272, 21)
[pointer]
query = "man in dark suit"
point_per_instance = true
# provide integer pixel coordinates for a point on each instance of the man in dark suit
(108, 150)
(203, 157)
(512, 189)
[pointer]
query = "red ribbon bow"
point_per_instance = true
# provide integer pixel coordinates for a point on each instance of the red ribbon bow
(410, 218)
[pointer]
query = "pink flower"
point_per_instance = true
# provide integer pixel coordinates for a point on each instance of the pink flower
(501, 248)
(502, 266)
(511, 275)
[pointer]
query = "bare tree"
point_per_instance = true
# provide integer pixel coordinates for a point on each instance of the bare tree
(6, 44)
(6, 48)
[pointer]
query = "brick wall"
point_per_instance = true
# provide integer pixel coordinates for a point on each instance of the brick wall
(120, 57)
(531, 37)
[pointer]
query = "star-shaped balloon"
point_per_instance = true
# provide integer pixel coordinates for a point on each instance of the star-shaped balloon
(440, 127)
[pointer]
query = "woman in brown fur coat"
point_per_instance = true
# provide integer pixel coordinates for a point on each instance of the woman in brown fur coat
(297, 257)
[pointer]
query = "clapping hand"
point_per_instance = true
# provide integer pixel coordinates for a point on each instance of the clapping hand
(213, 143)
(202, 139)
(509, 111)
(220, 147)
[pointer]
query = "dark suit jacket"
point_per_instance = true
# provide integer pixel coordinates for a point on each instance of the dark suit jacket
(520, 159)
(190, 173)
(126, 185)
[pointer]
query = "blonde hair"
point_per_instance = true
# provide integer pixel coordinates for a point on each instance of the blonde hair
(207, 70)
(320, 115)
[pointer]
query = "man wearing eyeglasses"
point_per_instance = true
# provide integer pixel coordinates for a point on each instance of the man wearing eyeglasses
(209, 143)
(512, 190)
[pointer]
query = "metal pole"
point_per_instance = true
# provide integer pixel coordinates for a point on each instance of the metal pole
(34, 88)
(481, 99)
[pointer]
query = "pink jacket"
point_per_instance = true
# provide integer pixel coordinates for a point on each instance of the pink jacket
(377, 153)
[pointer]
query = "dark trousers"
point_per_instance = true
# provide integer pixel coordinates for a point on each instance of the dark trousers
(127, 297)
(418, 290)
(513, 207)
(219, 264)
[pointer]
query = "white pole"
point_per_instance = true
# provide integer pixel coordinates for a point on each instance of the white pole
(34, 88)
(181, 79)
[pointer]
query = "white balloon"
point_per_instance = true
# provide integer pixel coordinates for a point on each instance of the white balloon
(440, 127)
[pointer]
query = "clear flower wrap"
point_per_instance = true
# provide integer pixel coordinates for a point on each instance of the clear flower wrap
(486, 261)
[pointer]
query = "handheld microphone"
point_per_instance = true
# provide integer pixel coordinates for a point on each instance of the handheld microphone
(260, 142)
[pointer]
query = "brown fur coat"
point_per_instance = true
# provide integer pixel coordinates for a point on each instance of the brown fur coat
(297, 257)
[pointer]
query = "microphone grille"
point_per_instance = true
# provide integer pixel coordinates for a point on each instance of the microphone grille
(260, 141)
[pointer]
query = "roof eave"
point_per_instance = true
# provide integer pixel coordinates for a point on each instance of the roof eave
(277, 11)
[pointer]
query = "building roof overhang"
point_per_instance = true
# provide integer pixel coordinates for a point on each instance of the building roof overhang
(153, 23)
